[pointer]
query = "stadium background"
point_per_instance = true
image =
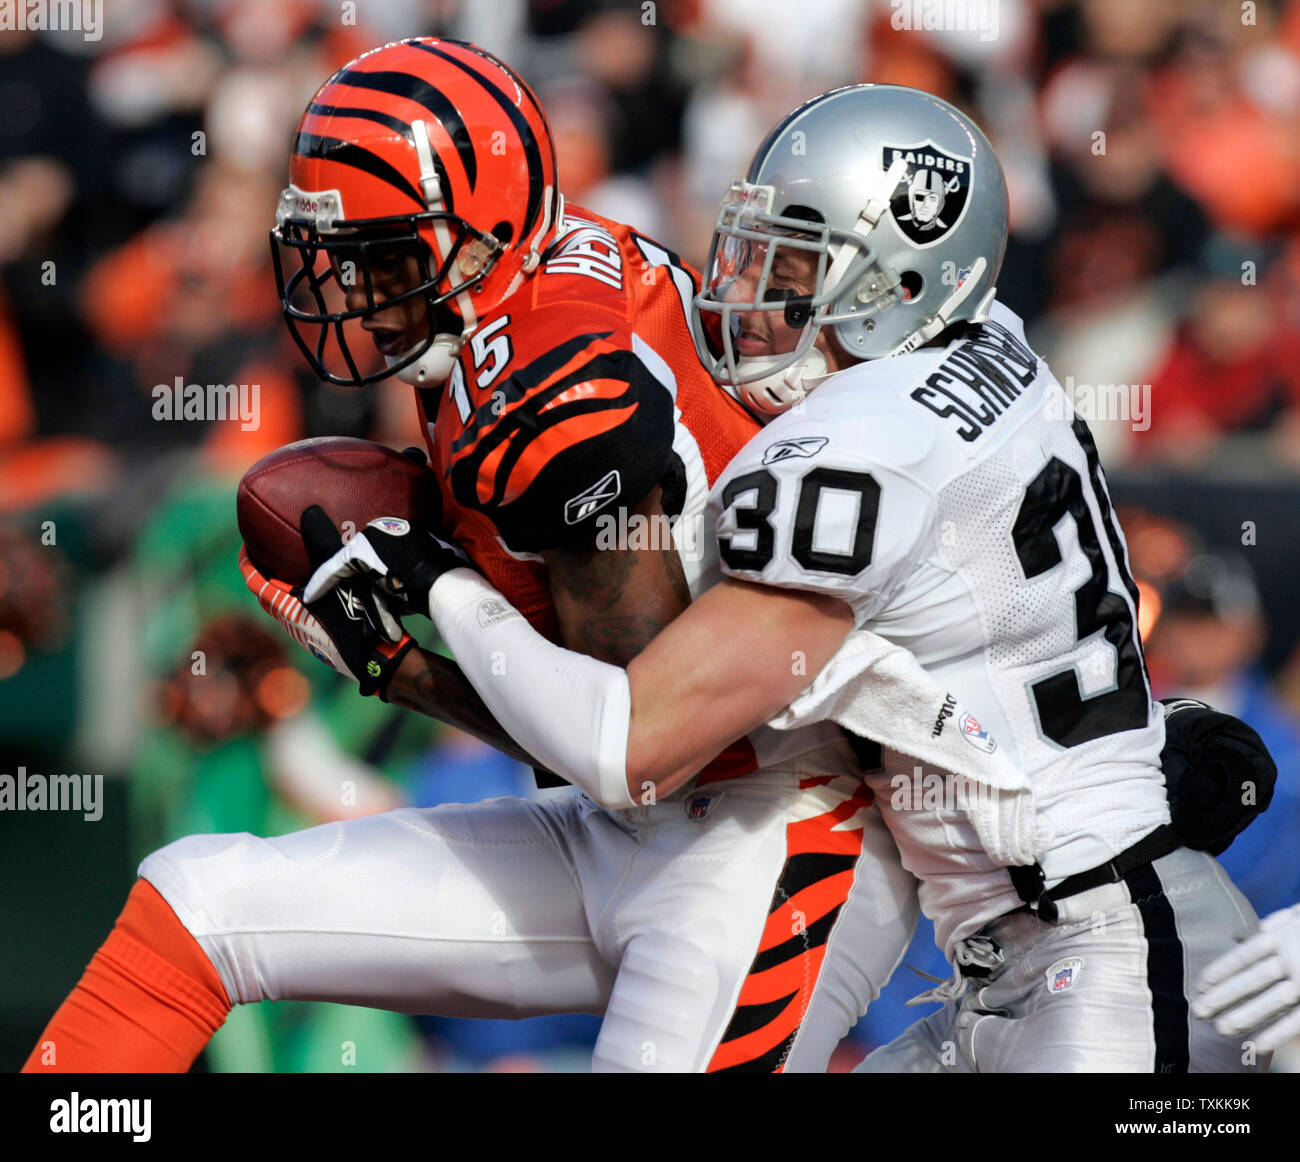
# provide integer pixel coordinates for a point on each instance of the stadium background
(1152, 151)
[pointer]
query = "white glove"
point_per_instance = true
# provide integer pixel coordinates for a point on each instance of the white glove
(402, 561)
(1257, 984)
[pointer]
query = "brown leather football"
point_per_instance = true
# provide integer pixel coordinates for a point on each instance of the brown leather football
(354, 481)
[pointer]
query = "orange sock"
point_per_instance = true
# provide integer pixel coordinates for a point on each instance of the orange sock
(148, 1002)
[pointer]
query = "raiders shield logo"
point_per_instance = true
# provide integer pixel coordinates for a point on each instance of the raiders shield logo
(932, 198)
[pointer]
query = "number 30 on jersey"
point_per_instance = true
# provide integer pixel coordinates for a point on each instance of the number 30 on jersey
(752, 499)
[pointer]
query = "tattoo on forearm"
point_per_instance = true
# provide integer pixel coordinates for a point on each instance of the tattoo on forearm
(677, 578)
(617, 640)
(436, 686)
(596, 578)
(612, 602)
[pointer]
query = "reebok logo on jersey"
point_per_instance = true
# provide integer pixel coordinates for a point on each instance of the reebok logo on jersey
(976, 735)
(1063, 974)
(594, 498)
(807, 446)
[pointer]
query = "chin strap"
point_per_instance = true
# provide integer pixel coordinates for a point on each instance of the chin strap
(921, 337)
(552, 199)
(434, 366)
(879, 196)
(788, 385)
(436, 363)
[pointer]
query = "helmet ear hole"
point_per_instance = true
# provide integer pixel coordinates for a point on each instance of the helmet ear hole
(913, 285)
(503, 232)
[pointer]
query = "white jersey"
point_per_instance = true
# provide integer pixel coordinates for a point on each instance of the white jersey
(952, 498)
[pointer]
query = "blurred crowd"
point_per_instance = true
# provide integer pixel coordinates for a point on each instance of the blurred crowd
(1152, 150)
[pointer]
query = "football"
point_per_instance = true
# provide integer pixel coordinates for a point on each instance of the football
(354, 481)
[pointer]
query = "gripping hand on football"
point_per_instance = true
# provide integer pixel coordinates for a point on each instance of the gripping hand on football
(350, 628)
(1257, 984)
(402, 562)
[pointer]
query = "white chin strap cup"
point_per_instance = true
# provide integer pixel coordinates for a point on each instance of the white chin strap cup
(434, 366)
(948, 308)
(780, 391)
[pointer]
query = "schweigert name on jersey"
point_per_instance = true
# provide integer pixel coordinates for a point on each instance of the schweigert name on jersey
(978, 380)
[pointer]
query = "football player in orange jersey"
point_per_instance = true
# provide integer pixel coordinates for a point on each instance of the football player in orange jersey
(742, 923)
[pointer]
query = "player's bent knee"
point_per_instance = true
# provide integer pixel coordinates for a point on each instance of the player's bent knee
(189, 870)
(204, 879)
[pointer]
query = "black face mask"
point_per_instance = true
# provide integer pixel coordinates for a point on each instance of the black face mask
(361, 257)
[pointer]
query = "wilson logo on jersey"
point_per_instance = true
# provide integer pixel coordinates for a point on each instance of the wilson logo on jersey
(946, 711)
(807, 446)
(604, 491)
(937, 191)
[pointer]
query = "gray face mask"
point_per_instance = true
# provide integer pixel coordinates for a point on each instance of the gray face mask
(876, 210)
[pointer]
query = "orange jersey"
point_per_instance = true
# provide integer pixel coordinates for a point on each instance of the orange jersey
(571, 402)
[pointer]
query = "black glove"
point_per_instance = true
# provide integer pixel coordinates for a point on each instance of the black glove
(400, 561)
(349, 627)
(1218, 774)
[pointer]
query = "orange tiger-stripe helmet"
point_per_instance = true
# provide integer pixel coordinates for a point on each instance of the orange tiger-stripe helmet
(432, 148)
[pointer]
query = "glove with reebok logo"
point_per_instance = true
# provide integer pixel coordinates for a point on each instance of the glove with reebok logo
(349, 627)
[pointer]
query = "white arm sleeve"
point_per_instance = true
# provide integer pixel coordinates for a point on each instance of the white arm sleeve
(571, 712)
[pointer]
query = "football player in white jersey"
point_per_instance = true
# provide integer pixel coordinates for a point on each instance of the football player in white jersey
(935, 492)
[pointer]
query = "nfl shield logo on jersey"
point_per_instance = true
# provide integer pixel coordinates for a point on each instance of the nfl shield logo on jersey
(976, 735)
(698, 806)
(1063, 974)
(933, 196)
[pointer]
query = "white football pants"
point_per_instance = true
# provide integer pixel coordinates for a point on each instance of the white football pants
(745, 925)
